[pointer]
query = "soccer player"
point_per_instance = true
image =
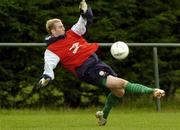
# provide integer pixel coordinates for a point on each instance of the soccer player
(75, 54)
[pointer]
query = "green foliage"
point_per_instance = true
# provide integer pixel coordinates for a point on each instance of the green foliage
(126, 20)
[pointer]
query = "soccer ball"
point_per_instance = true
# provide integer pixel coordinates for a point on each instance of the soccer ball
(119, 50)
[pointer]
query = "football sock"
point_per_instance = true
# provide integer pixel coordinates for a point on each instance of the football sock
(111, 101)
(138, 88)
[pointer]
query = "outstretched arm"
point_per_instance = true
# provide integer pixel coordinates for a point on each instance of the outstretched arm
(85, 19)
(50, 62)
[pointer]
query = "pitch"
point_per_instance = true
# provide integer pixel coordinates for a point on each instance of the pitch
(85, 120)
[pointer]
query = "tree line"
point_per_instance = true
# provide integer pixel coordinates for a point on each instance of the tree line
(133, 21)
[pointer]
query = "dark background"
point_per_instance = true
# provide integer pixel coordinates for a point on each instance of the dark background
(155, 21)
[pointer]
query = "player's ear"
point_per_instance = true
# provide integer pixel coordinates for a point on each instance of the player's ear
(52, 31)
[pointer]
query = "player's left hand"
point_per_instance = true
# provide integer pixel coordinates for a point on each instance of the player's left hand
(83, 6)
(45, 79)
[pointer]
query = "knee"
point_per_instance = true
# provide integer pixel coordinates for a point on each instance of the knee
(118, 92)
(121, 93)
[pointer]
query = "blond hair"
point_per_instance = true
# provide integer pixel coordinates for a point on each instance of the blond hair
(50, 24)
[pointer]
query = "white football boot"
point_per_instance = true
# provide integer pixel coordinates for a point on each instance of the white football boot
(101, 120)
(158, 93)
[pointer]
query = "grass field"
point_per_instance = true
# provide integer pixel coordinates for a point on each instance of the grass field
(84, 120)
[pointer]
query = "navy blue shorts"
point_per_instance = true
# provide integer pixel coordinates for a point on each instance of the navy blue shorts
(94, 71)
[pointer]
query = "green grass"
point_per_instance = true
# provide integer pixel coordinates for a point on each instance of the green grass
(68, 119)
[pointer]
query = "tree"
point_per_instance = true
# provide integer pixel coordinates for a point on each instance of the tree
(127, 20)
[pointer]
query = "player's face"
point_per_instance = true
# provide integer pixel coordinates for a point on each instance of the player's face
(58, 29)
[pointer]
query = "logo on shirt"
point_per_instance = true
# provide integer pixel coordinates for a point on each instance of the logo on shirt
(74, 48)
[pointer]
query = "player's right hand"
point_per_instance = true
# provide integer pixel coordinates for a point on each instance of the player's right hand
(83, 6)
(45, 79)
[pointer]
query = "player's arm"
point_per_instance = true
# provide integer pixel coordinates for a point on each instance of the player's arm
(50, 62)
(85, 19)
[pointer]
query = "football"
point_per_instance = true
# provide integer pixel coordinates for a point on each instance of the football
(119, 50)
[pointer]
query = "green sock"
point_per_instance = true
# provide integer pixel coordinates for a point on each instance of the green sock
(111, 101)
(138, 88)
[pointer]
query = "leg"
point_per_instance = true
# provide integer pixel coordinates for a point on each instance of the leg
(101, 74)
(138, 88)
(115, 83)
(118, 87)
(111, 101)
